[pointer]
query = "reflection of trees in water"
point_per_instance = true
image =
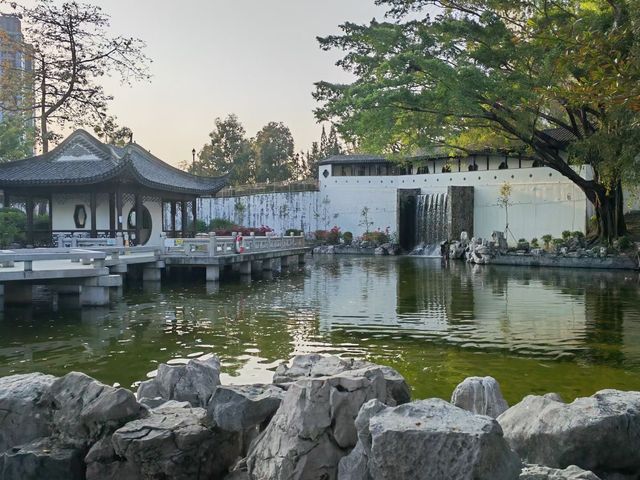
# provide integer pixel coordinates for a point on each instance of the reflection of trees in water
(446, 293)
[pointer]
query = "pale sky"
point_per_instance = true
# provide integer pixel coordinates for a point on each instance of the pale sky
(255, 58)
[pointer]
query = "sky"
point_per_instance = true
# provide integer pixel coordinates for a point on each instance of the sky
(255, 58)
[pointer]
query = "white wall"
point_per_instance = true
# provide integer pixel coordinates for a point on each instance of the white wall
(543, 202)
(280, 211)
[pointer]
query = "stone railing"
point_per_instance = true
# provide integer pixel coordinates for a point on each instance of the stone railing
(214, 246)
(27, 256)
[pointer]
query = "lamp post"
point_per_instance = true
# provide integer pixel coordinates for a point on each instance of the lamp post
(193, 163)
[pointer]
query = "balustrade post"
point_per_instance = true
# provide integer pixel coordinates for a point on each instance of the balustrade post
(213, 244)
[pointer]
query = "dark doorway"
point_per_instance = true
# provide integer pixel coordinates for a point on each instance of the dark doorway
(407, 218)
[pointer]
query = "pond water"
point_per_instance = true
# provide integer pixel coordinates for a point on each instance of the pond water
(535, 330)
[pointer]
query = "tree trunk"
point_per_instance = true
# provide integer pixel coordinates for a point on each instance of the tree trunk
(609, 213)
(44, 132)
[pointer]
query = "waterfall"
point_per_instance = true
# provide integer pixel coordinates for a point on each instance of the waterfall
(431, 223)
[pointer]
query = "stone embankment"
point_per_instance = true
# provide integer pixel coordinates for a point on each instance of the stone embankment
(322, 418)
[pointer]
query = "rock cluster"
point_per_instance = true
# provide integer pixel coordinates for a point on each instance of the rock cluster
(322, 418)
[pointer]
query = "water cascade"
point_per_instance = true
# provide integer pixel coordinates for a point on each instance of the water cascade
(431, 223)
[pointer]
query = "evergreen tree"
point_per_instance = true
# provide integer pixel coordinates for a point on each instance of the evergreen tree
(274, 153)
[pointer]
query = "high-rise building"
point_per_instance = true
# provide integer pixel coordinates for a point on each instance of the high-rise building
(16, 68)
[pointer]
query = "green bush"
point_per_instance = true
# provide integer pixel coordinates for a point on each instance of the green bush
(624, 243)
(377, 238)
(13, 225)
(534, 243)
(293, 231)
(348, 238)
(558, 242)
(566, 235)
(201, 226)
(578, 234)
(221, 224)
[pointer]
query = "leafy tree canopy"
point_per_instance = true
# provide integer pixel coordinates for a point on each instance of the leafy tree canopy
(71, 49)
(273, 149)
(479, 70)
(228, 151)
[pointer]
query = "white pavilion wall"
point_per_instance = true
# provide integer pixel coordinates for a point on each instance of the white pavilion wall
(63, 208)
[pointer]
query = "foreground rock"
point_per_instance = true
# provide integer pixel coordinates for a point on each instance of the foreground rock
(315, 425)
(194, 382)
(428, 439)
(600, 433)
(67, 415)
(314, 366)
(42, 459)
(480, 395)
(173, 442)
(237, 408)
(538, 472)
(85, 410)
(24, 413)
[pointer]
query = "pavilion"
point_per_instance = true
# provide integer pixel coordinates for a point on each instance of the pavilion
(86, 188)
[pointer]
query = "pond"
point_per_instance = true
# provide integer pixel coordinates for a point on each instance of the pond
(536, 330)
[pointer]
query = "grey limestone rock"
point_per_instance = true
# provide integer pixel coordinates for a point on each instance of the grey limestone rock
(480, 395)
(42, 459)
(24, 412)
(314, 426)
(84, 410)
(172, 442)
(237, 408)
(315, 366)
(194, 382)
(539, 472)
(428, 439)
(600, 433)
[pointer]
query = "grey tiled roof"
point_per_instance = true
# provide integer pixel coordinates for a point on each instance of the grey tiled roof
(83, 160)
(336, 159)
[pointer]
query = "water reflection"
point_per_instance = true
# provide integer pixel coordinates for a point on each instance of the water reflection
(535, 330)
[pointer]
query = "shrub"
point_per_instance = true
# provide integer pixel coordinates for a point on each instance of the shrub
(624, 243)
(348, 238)
(534, 243)
(566, 235)
(558, 242)
(547, 240)
(333, 236)
(13, 225)
(221, 224)
(578, 234)
(201, 226)
(293, 231)
(522, 240)
(377, 238)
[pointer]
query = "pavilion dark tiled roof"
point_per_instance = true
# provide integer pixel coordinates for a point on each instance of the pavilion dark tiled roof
(83, 160)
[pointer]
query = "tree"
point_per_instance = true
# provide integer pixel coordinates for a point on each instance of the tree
(273, 149)
(71, 50)
(16, 139)
(510, 69)
(228, 151)
(112, 133)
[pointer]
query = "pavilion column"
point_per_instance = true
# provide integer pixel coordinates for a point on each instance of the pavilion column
(173, 218)
(119, 210)
(194, 209)
(183, 205)
(30, 220)
(94, 218)
(112, 215)
(138, 203)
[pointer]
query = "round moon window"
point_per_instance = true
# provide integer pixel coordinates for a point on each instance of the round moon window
(145, 226)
